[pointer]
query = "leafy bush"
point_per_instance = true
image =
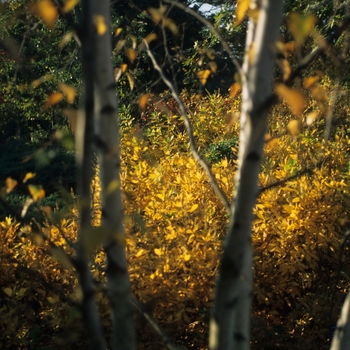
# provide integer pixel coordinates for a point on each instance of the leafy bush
(175, 226)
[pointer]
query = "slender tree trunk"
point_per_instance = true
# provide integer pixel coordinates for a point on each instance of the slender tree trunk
(107, 142)
(230, 322)
(341, 339)
(85, 132)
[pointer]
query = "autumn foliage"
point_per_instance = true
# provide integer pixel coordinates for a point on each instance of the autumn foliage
(176, 226)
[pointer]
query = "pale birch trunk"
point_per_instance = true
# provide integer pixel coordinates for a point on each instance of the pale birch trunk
(230, 322)
(84, 140)
(341, 339)
(107, 142)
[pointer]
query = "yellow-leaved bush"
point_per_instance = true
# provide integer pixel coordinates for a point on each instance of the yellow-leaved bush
(175, 226)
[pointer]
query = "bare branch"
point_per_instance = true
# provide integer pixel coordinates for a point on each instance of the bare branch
(189, 130)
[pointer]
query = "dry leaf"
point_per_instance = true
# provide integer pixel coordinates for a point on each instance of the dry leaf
(124, 67)
(150, 37)
(28, 176)
(10, 184)
(118, 31)
(241, 10)
(69, 91)
(36, 192)
(143, 101)
(170, 24)
(157, 14)
(130, 54)
(234, 89)
(157, 251)
(100, 24)
(285, 67)
(203, 76)
(131, 80)
(47, 11)
(69, 5)
(295, 99)
(310, 81)
(294, 127)
(66, 38)
(311, 117)
(52, 100)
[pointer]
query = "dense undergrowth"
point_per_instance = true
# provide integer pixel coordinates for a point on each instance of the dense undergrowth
(175, 227)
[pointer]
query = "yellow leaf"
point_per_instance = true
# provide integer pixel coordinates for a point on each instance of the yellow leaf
(8, 291)
(301, 26)
(69, 5)
(294, 127)
(157, 251)
(131, 80)
(124, 67)
(241, 10)
(311, 117)
(224, 163)
(187, 257)
(28, 176)
(170, 24)
(143, 101)
(69, 91)
(47, 11)
(65, 40)
(310, 81)
(157, 14)
(100, 24)
(286, 68)
(193, 208)
(150, 37)
(10, 184)
(131, 54)
(118, 31)
(140, 253)
(234, 89)
(203, 75)
(36, 192)
(295, 99)
(52, 100)
(272, 143)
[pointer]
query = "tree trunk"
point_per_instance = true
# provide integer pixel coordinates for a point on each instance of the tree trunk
(230, 322)
(84, 139)
(341, 339)
(107, 142)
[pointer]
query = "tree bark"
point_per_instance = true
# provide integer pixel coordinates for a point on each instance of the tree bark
(341, 338)
(230, 321)
(84, 138)
(108, 147)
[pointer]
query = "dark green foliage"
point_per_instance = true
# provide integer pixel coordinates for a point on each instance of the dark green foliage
(220, 150)
(54, 168)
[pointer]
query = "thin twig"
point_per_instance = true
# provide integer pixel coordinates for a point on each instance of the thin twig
(154, 324)
(293, 177)
(207, 23)
(189, 130)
